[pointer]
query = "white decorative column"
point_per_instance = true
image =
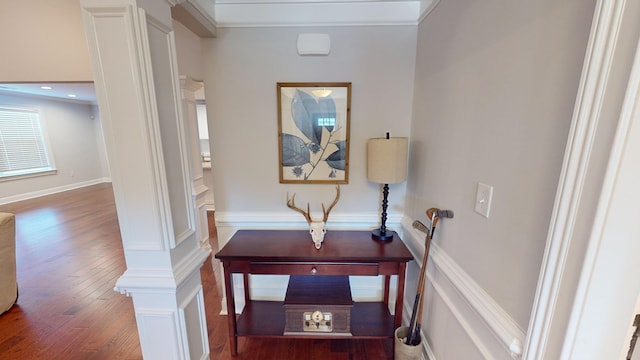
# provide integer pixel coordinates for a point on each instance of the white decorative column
(189, 88)
(131, 44)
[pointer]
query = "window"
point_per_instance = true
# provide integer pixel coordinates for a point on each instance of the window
(326, 121)
(23, 149)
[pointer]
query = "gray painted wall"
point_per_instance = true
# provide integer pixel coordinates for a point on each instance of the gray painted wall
(243, 66)
(75, 138)
(494, 93)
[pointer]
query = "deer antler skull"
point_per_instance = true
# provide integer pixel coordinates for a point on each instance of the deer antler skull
(317, 229)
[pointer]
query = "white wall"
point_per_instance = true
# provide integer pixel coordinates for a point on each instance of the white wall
(495, 88)
(43, 41)
(203, 128)
(243, 66)
(189, 52)
(76, 141)
(102, 150)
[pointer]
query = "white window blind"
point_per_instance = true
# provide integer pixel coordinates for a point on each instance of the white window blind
(22, 145)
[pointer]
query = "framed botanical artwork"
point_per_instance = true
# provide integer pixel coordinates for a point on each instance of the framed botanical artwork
(313, 132)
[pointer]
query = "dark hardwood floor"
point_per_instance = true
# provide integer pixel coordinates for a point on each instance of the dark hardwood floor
(69, 256)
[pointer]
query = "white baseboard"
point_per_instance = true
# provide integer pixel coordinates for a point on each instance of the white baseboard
(51, 191)
(493, 332)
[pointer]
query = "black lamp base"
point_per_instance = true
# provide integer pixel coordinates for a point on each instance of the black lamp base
(385, 235)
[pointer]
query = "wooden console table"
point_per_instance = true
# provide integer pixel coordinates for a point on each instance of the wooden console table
(291, 252)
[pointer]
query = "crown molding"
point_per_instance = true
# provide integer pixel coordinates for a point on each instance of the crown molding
(196, 15)
(279, 13)
(427, 7)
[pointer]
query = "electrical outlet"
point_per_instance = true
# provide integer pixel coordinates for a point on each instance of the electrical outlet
(483, 199)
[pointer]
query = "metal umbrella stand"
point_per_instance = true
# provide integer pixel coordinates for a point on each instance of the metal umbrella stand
(408, 338)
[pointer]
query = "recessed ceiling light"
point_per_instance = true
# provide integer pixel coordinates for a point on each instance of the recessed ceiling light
(71, 95)
(46, 87)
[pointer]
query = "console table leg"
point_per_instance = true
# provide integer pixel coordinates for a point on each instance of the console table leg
(387, 281)
(231, 310)
(247, 295)
(397, 319)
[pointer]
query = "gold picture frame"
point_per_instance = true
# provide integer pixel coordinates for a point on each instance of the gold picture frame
(313, 132)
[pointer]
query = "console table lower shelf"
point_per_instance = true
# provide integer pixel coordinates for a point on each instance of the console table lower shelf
(267, 319)
(288, 252)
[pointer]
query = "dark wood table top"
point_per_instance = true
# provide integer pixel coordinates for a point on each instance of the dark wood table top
(296, 246)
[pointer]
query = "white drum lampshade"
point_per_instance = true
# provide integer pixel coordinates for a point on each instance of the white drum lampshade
(386, 164)
(387, 160)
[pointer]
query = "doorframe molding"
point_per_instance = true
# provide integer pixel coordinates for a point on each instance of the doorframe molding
(612, 238)
(607, 20)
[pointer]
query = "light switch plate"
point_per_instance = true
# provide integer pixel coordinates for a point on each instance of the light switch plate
(483, 199)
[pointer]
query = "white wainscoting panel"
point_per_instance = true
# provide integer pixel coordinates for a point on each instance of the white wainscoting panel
(492, 331)
(195, 330)
(154, 325)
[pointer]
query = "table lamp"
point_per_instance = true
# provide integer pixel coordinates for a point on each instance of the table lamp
(386, 164)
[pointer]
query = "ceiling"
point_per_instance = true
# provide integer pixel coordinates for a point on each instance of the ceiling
(244, 13)
(84, 92)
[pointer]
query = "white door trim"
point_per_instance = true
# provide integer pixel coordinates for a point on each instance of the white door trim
(591, 93)
(609, 279)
